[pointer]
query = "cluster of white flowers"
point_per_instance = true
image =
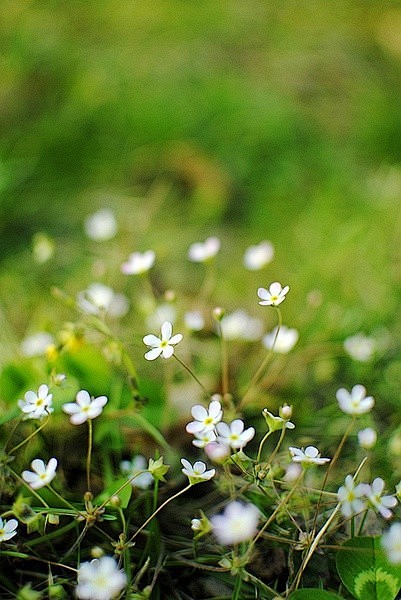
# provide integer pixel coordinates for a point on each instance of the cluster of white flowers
(208, 428)
(357, 498)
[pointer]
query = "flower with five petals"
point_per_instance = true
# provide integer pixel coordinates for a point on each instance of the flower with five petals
(274, 296)
(164, 345)
(84, 408)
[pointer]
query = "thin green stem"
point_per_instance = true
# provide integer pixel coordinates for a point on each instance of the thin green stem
(192, 375)
(148, 520)
(26, 440)
(89, 454)
(262, 367)
(264, 439)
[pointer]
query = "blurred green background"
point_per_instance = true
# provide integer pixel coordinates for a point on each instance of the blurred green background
(247, 120)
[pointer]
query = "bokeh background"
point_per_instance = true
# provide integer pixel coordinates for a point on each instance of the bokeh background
(246, 120)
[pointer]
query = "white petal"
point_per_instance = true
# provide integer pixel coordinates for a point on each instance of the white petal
(83, 398)
(176, 338)
(167, 352)
(38, 466)
(166, 330)
(237, 426)
(152, 354)
(199, 412)
(151, 340)
(263, 293)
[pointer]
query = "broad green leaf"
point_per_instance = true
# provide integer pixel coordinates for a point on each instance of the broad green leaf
(314, 594)
(365, 571)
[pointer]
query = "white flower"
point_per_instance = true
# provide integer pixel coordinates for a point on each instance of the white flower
(367, 438)
(84, 408)
(36, 344)
(163, 312)
(37, 406)
(204, 251)
(391, 542)
(241, 326)
(8, 529)
(379, 503)
(138, 263)
(285, 341)
(217, 452)
(356, 402)
(350, 496)
(256, 257)
(194, 320)
(162, 346)
(43, 247)
(309, 456)
(42, 474)
(238, 523)
(136, 465)
(274, 296)
(204, 438)
(99, 298)
(198, 472)
(100, 579)
(101, 225)
(205, 419)
(234, 435)
(360, 347)
(292, 472)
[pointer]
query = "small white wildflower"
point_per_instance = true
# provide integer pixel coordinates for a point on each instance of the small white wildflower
(360, 347)
(350, 496)
(241, 326)
(196, 473)
(391, 542)
(309, 456)
(43, 247)
(204, 251)
(274, 296)
(367, 438)
(100, 579)
(36, 344)
(138, 263)
(234, 435)
(84, 408)
(292, 472)
(136, 465)
(379, 503)
(41, 475)
(101, 225)
(37, 405)
(356, 402)
(162, 346)
(257, 257)
(285, 341)
(205, 419)
(238, 523)
(164, 312)
(99, 298)
(217, 452)
(8, 529)
(194, 320)
(204, 438)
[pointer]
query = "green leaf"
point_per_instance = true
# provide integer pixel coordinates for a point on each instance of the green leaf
(314, 594)
(365, 571)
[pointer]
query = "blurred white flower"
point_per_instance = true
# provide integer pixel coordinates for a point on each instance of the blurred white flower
(286, 339)
(360, 347)
(84, 408)
(196, 473)
(162, 346)
(241, 326)
(194, 320)
(391, 542)
(43, 247)
(234, 435)
(41, 475)
(100, 579)
(8, 529)
(256, 257)
(367, 438)
(309, 456)
(205, 419)
(204, 251)
(131, 468)
(379, 503)
(217, 452)
(37, 405)
(204, 438)
(138, 263)
(99, 298)
(101, 225)
(36, 344)
(274, 296)
(356, 402)
(238, 523)
(350, 496)
(292, 472)
(164, 312)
